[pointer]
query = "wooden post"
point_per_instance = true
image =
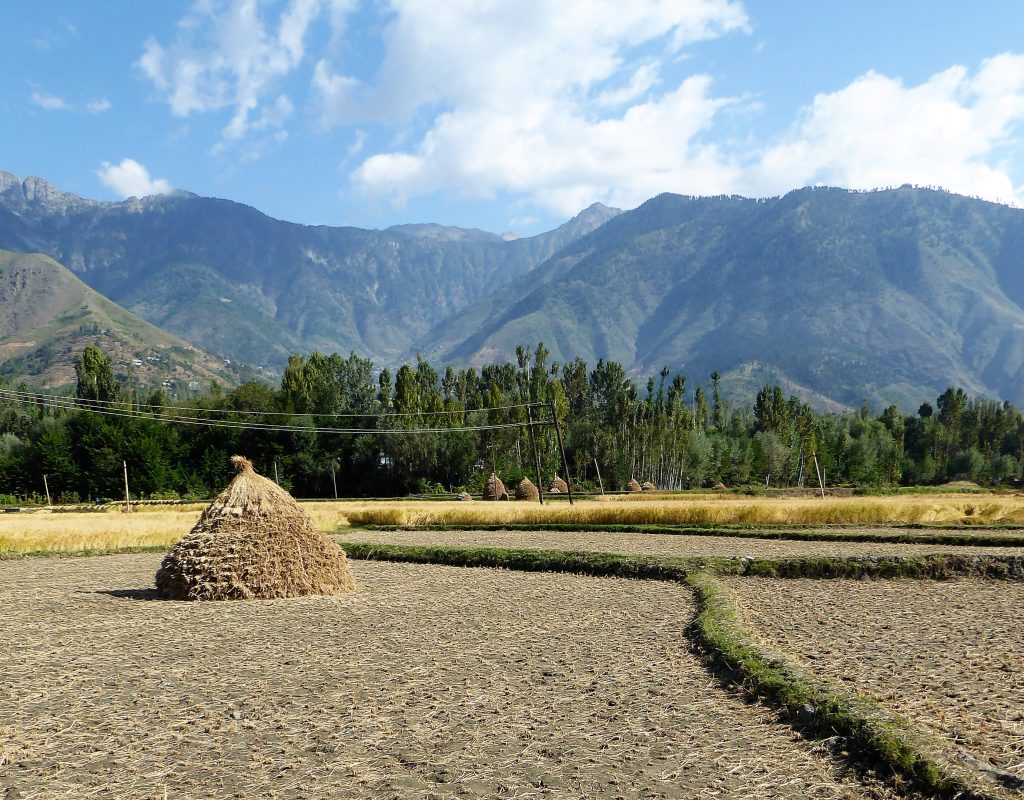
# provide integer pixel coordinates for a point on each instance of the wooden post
(46, 486)
(127, 497)
(536, 456)
(821, 475)
(561, 449)
(599, 481)
(275, 475)
(335, 482)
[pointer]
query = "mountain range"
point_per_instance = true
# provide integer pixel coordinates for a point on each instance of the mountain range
(48, 316)
(839, 296)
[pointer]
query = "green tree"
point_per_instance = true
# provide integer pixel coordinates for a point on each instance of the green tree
(95, 376)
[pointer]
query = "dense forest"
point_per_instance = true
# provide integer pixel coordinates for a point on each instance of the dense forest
(669, 431)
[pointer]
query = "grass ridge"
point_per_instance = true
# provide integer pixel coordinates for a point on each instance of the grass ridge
(810, 534)
(818, 705)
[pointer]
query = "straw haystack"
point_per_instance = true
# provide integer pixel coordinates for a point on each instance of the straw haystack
(647, 486)
(558, 486)
(526, 490)
(495, 489)
(463, 496)
(720, 487)
(253, 542)
(633, 486)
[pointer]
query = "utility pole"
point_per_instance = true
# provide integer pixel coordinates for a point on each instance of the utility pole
(821, 475)
(335, 482)
(536, 456)
(127, 497)
(46, 486)
(561, 449)
(599, 481)
(275, 474)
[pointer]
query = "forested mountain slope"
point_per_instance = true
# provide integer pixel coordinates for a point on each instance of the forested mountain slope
(889, 295)
(48, 316)
(227, 278)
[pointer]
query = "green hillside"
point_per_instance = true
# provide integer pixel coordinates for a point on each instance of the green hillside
(48, 316)
(837, 295)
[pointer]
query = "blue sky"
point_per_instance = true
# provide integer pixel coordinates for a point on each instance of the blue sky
(509, 115)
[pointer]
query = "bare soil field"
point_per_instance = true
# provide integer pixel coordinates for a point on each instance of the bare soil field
(947, 655)
(428, 682)
(656, 544)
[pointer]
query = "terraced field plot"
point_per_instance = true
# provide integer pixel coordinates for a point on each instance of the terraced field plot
(653, 544)
(428, 682)
(948, 655)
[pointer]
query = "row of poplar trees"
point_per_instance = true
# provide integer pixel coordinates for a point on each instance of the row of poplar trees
(614, 429)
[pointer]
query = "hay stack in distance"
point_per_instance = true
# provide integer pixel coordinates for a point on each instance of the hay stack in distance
(558, 486)
(463, 496)
(633, 486)
(253, 542)
(526, 490)
(495, 489)
(647, 486)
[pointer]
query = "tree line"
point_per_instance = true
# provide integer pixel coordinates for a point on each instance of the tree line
(614, 428)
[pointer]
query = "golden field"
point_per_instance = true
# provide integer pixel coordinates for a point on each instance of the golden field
(155, 526)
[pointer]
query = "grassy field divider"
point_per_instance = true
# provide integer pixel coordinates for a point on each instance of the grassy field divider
(819, 706)
(950, 537)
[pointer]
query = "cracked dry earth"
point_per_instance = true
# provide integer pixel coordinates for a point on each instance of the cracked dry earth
(429, 682)
(948, 655)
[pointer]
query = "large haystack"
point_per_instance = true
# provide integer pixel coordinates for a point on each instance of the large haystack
(558, 486)
(633, 486)
(647, 486)
(526, 490)
(253, 542)
(495, 489)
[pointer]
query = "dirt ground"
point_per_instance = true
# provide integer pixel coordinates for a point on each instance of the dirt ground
(428, 682)
(656, 544)
(948, 655)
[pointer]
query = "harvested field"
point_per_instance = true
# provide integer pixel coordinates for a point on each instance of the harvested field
(428, 682)
(946, 655)
(656, 544)
(936, 509)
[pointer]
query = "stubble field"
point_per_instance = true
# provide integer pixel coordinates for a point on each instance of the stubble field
(436, 681)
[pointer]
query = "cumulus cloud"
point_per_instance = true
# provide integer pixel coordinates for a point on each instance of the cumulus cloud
(98, 106)
(876, 132)
(545, 97)
(131, 179)
(230, 56)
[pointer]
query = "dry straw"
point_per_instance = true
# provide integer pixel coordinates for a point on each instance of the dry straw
(495, 489)
(253, 542)
(558, 486)
(633, 486)
(526, 490)
(647, 486)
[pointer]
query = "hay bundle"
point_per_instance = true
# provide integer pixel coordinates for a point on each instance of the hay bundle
(463, 496)
(633, 486)
(647, 486)
(253, 542)
(495, 489)
(526, 490)
(558, 486)
(721, 487)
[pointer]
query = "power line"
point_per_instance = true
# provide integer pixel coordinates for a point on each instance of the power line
(38, 397)
(71, 404)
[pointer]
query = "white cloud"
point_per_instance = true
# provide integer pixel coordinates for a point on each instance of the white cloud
(98, 106)
(131, 179)
(521, 96)
(50, 102)
(876, 132)
(228, 56)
